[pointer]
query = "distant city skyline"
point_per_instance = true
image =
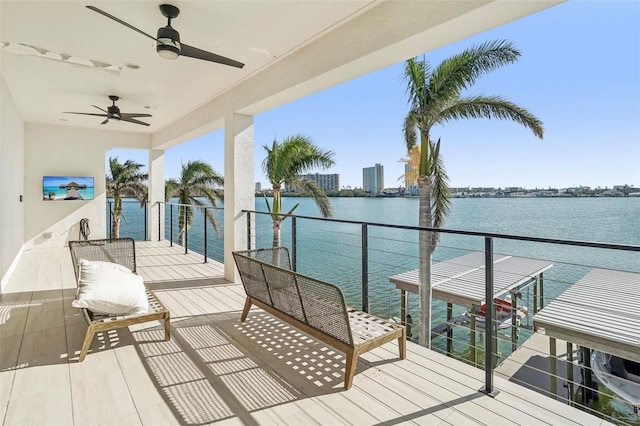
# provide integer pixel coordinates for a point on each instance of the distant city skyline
(583, 84)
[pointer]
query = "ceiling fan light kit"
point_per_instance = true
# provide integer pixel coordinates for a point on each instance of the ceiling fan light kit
(168, 45)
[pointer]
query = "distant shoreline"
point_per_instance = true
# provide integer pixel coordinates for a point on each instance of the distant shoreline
(299, 195)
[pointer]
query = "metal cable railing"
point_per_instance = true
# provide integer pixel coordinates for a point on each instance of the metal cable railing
(188, 226)
(185, 225)
(361, 257)
(133, 221)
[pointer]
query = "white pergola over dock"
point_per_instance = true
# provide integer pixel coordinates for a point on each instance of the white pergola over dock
(461, 281)
(600, 311)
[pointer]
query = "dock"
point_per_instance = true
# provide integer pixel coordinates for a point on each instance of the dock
(529, 366)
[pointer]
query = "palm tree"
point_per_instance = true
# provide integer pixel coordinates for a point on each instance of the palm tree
(197, 180)
(124, 180)
(435, 99)
(285, 162)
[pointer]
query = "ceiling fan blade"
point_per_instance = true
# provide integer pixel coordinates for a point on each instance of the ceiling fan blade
(133, 115)
(120, 21)
(133, 120)
(99, 108)
(194, 52)
(105, 121)
(86, 113)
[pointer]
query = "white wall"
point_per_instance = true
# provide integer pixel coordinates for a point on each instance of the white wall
(67, 151)
(11, 183)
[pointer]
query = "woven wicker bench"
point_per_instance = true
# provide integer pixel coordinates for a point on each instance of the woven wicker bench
(315, 307)
(123, 252)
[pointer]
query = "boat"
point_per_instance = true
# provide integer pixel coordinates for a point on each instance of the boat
(621, 376)
(504, 312)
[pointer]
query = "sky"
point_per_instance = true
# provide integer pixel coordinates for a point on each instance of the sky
(579, 72)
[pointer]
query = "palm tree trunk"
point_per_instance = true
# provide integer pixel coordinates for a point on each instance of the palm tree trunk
(277, 220)
(115, 226)
(425, 250)
(116, 212)
(182, 225)
(277, 225)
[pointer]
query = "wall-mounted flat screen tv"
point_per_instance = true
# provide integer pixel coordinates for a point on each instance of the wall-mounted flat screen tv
(55, 188)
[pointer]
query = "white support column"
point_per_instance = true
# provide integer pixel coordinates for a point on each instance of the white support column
(156, 194)
(238, 187)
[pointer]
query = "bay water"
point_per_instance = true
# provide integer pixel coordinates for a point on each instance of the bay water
(332, 251)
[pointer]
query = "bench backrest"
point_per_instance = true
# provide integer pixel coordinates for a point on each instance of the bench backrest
(117, 250)
(267, 276)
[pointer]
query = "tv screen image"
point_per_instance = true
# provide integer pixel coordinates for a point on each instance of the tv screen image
(55, 188)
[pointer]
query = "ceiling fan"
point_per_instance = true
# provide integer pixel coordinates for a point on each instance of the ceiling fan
(113, 113)
(168, 43)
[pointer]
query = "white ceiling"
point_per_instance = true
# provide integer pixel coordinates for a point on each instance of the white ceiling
(290, 49)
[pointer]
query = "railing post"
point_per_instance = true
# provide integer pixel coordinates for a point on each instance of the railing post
(541, 291)
(365, 269)
(294, 250)
(186, 230)
(146, 221)
(488, 320)
(170, 225)
(159, 216)
(204, 214)
(110, 220)
(248, 230)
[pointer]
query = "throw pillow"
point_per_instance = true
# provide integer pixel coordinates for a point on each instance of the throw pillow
(110, 288)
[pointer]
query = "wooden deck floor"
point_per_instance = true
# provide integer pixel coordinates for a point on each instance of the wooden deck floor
(218, 370)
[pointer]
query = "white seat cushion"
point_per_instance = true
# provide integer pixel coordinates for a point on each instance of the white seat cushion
(110, 288)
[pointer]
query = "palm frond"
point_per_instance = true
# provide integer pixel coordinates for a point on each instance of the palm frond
(492, 107)
(439, 187)
(417, 75)
(286, 161)
(318, 195)
(170, 189)
(461, 71)
(409, 130)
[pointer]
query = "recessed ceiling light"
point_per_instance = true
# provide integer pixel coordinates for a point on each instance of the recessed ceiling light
(63, 119)
(150, 107)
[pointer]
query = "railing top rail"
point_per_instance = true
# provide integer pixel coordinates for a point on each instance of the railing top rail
(190, 205)
(593, 244)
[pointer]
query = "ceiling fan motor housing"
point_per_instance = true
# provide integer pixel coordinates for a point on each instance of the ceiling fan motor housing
(168, 45)
(113, 112)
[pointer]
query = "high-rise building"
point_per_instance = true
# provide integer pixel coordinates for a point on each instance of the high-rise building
(373, 179)
(328, 182)
(258, 186)
(411, 187)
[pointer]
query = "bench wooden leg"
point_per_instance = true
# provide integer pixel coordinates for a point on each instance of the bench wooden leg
(402, 344)
(167, 326)
(88, 338)
(245, 311)
(350, 369)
